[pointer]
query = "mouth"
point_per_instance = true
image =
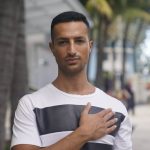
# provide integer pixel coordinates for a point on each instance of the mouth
(72, 60)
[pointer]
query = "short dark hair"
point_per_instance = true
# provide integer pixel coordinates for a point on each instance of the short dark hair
(68, 16)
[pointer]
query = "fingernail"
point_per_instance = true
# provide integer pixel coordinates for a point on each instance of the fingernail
(89, 103)
(116, 119)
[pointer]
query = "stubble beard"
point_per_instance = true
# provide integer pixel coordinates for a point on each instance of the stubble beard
(71, 71)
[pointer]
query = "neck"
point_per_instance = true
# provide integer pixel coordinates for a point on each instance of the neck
(77, 84)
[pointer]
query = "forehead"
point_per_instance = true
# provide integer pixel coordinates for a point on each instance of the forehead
(74, 28)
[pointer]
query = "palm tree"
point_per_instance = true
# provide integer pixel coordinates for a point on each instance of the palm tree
(101, 10)
(101, 14)
(145, 18)
(20, 77)
(12, 57)
(131, 14)
(129, 11)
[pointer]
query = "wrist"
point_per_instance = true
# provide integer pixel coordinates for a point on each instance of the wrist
(83, 134)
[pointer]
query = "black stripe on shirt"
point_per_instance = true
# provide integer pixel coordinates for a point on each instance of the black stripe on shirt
(96, 146)
(65, 118)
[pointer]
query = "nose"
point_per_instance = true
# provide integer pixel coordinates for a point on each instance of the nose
(71, 48)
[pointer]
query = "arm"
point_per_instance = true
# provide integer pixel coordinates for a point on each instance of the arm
(92, 127)
(123, 139)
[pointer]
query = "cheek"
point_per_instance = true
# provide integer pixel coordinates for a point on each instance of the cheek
(59, 57)
(59, 53)
(85, 55)
(86, 51)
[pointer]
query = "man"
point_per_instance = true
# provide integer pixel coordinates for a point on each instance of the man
(70, 113)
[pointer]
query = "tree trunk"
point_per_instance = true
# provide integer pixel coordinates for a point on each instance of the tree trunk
(138, 31)
(9, 16)
(124, 54)
(19, 80)
(101, 43)
(113, 63)
(8, 28)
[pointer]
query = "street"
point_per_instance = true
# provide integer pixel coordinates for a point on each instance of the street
(141, 122)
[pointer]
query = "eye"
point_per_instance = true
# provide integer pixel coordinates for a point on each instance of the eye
(80, 41)
(62, 42)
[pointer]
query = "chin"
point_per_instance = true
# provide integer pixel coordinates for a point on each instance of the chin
(72, 71)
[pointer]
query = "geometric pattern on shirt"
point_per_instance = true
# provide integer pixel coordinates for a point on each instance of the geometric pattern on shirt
(65, 118)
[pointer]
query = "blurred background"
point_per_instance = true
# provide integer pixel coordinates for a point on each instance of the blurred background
(119, 63)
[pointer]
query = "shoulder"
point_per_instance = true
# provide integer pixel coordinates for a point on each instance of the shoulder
(111, 102)
(36, 99)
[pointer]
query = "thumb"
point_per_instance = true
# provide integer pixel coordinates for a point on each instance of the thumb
(86, 108)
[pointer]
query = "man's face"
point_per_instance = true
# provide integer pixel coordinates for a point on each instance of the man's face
(71, 47)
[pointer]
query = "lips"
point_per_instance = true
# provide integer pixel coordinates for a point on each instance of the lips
(72, 60)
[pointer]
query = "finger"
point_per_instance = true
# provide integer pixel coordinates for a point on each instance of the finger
(109, 115)
(111, 129)
(111, 122)
(86, 108)
(105, 112)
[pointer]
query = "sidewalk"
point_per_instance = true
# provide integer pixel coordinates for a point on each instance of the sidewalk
(141, 133)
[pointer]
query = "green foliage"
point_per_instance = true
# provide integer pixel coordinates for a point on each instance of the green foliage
(127, 10)
(117, 5)
(100, 6)
(134, 13)
(116, 14)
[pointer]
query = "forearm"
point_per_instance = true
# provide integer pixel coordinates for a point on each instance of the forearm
(73, 141)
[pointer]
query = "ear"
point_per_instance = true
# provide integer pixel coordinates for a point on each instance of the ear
(51, 46)
(90, 44)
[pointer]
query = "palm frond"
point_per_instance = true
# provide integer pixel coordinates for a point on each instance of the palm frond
(101, 6)
(133, 13)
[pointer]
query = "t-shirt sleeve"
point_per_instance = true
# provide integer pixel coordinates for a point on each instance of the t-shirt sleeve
(123, 139)
(25, 129)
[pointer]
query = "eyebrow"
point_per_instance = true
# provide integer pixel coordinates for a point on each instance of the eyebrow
(64, 38)
(61, 38)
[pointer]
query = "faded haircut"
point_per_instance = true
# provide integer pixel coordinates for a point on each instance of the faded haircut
(68, 16)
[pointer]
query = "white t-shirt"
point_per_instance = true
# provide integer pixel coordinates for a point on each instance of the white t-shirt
(48, 115)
